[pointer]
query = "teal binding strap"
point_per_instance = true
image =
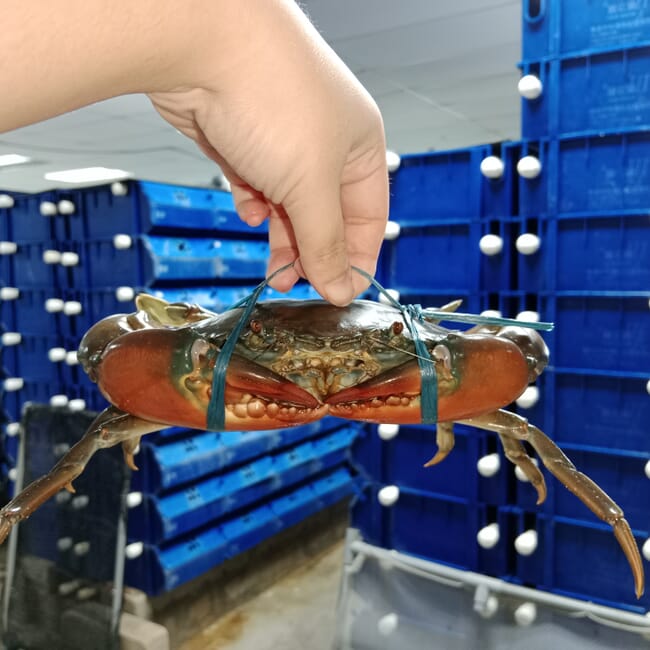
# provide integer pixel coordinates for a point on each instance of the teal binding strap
(216, 416)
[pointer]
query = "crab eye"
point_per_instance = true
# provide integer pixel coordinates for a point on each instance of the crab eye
(441, 353)
(256, 326)
(199, 350)
(397, 327)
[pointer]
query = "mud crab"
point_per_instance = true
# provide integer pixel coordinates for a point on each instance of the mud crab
(295, 362)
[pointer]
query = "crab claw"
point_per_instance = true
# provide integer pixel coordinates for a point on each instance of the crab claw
(474, 373)
(165, 376)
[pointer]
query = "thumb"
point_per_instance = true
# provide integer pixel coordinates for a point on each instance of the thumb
(317, 222)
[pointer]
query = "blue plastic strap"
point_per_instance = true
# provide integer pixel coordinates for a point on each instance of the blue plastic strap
(216, 416)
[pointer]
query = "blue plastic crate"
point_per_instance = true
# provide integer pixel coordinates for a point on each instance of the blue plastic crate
(619, 474)
(441, 186)
(400, 461)
(599, 410)
(442, 529)
(155, 259)
(161, 518)
(29, 269)
(599, 92)
(154, 207)
(533, 192)
(605, 332)
(600, 174)
(585, 561)
(26, 223)
(499, 195)
(533, 569)
(30, 358)
(170, 462)
(443, 256)
(33, 390)
(553, 28)
(609, 253)
(161, 569)
(218, 299)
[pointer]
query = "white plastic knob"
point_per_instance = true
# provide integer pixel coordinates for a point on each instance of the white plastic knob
(388, 624)
(12, 474)
(12, 384)
(86, 593)
(530, 86)
(80, 501)
(492, 167)
(122, 242)
(528, 398)
(124, 294)
(491, 244)
(134, 550)
(77, 404)
(69, 587)
(645, 550)
(54, 305)
(529, 167)
(13, 429)
(490, 607)
(56, 354)
(528, 315)
(81, 548)
(393, 160)
(134, 499)
(6, 201)
(63, 496)
(388, 496)
(647, 387)
(526, 543)
(526, 614)
(488, 536)
(9, 293)
(520, 474)
(119, 189)
(8, 247)
(528, 243)
(489, 465)
(69, 258)
(51, 256)
(59, 400)
(394, 293)
(64, 543)
(11, 338)
(66, 206)
(387, 431)
(392, 230)
(48, 208)
(72, 308)
(491, 313)
(71, 358)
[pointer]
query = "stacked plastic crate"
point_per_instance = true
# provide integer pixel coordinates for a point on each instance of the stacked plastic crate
(561, 220)
(586, 115)
(451, 222)
(71, 258)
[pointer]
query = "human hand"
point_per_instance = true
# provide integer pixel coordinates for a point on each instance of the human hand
(299, 139)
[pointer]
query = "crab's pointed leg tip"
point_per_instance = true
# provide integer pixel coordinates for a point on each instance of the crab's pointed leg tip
(128, 459)
(70, 488)
(438, 458)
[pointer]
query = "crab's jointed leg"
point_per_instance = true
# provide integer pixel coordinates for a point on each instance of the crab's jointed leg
(516, 454)
(109, 428)
(445, 441)
(510, 425)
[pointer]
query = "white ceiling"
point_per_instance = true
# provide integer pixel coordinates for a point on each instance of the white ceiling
(442, 71)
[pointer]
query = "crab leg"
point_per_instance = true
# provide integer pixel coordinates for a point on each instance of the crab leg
(513, 426)
(445, 441)
(109, 428)
(516, 454)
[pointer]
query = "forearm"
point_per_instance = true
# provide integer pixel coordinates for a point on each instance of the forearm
(59, 55)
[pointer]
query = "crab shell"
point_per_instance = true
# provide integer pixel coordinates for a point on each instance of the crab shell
(297, 361)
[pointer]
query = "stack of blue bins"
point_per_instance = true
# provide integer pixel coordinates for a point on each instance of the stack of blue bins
(70, 258)
(561, 222)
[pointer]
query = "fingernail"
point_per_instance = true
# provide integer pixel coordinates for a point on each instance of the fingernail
(340, 293)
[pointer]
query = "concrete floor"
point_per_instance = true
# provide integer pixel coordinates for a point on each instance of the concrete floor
(296, 613)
